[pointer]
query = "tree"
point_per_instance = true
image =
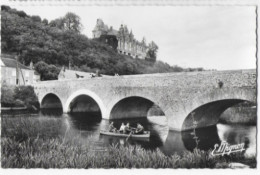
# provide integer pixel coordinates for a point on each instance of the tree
(59, 23)
(36, 18)
(144, 41)
(26, 95)
(152, 52)
(5, 8)
(7, 95)
(47, 72)
(21, 14)
(72, 22)
(45, 21)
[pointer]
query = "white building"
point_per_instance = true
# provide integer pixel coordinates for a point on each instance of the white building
(10, 70)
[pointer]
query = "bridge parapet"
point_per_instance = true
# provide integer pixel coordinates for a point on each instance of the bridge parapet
(177, 94)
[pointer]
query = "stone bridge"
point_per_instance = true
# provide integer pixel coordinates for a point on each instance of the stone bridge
(205, 94)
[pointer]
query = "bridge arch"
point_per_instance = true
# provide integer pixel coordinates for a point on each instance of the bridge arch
(51, 101)
(90, 95)
(131, 107)
(207, 108)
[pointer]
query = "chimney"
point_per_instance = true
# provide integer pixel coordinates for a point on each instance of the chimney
(31, 65)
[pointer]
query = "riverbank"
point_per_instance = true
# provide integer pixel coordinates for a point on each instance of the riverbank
(15, 98)
(30, 143)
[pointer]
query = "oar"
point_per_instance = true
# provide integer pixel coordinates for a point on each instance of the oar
(129, 136)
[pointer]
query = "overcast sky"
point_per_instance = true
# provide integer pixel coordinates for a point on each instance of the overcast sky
(212, 37)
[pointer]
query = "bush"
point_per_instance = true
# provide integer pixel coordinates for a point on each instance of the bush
(47, 72)
(19, 96)
(7, 96)
(27, 95)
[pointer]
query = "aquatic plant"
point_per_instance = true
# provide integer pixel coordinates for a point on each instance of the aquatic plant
(194, 124)
(30, 143)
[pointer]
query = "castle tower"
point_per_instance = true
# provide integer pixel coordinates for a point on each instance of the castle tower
(99, 29)
(126, 34)
(121, 38)
(131, 43)
(131, 36)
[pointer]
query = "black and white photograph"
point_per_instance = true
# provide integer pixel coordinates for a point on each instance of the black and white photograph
(131, 85)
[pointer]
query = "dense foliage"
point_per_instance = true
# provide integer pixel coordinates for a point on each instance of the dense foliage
(7, 96)
(18, 96)
(47, 72)
(60, 43)
(26, 95)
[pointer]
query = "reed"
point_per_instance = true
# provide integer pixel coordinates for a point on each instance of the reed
(29, 143)
(23, 128)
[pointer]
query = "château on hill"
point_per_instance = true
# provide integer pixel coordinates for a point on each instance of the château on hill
(121, 40)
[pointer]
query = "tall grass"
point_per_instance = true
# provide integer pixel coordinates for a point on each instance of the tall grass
(31, 143)
(22, 128)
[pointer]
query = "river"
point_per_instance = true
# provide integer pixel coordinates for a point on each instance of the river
(169, 142)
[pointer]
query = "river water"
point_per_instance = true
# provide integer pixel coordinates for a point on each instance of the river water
(169, 142)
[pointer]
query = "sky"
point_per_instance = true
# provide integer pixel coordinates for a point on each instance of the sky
(212, 37)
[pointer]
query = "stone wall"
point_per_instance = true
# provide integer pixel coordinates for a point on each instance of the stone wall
(177, 94)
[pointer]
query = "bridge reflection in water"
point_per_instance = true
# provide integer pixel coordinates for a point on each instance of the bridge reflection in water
(169, 142)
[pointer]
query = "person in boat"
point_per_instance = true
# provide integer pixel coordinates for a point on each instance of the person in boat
(127, 129)
(122, 128)
(139, 129)
(112, 128)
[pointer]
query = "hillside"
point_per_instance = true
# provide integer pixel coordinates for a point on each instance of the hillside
(58, 43)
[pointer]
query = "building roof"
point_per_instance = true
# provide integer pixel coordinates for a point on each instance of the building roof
(9, 61)
(112, 32)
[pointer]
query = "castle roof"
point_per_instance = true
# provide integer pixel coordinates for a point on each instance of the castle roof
(112, 32)
(100, 25)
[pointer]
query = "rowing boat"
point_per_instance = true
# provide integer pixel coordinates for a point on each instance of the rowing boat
(145, 135)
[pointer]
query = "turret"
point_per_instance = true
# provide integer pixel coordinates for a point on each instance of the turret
(126, 30)
(99, 29)
(126, 33)
(121, 31)
(144, 41)
(131, 36)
